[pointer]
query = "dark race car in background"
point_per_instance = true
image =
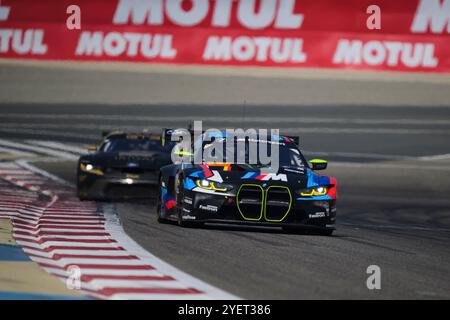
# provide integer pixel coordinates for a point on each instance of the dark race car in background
(123, 165)
(294, 197)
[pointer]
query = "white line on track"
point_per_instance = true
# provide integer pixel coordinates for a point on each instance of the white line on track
(38, 229)
(117, 232)
(50, 152)
(50, 243)
(51, 133)
(90, 272)
(118, 253)
(100, 283)
(17, 152)
(50, 237)
(15, 173)
(58, 146)
(26, 165)
(435, 157)
(74, 261)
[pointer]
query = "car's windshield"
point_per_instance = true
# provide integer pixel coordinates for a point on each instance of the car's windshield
(134, 145)
(254, 152)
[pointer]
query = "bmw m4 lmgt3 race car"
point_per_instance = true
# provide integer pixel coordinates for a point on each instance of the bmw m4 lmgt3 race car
(294, 197)
(121, 166)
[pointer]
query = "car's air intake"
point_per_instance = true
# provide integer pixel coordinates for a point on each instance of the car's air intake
(278, 203)
(250, 202)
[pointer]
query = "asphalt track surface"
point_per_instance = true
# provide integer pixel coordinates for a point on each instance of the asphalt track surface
(391, 162)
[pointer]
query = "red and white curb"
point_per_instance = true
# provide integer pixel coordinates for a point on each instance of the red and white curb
(60, 233)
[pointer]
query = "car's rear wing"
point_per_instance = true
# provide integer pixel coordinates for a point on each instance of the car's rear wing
(132, 134)
(166, 135)
(107, 133)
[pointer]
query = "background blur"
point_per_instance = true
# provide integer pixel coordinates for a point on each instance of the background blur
(374, 102)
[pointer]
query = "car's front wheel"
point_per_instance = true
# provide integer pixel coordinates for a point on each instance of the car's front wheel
(159, 218)
(81, 193)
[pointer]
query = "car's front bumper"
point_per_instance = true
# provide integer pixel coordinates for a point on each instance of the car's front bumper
(201, 207)
(268, 224)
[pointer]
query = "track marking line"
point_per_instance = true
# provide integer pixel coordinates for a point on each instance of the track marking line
(58, 146)
(47, 151)
(435, 157)
(17, 152)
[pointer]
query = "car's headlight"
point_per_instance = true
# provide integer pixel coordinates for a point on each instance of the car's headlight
(211, 185)
(316, 191)
(91, 168)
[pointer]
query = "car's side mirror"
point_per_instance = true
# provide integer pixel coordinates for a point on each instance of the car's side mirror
(184, 156)
(92, 149)
(318, 164)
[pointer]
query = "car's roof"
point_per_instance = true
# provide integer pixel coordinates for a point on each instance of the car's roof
(288, 140)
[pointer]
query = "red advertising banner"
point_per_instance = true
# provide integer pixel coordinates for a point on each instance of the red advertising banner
(412, 35)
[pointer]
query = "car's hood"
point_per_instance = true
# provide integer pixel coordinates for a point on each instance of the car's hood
(283, 176)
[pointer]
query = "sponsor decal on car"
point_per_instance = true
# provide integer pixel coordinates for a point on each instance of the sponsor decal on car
(208, 208)
(186, 210)
(188, 217)
(317, 215)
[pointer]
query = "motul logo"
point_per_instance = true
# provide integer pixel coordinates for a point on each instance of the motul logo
(251, 14)
(30, 41)
(130, 44)
(4, 12)
(390, 53)
(18, 41)
(433, 15)
(260, 49)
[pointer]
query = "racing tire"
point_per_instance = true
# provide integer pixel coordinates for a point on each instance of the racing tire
(87, 198)
(82, 197)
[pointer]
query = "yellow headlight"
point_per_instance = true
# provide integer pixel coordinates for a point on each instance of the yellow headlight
(208, 185)
(89, 168)
(317, 191)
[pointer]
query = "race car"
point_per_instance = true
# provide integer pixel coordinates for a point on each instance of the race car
(294, 197)
(123, 165)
